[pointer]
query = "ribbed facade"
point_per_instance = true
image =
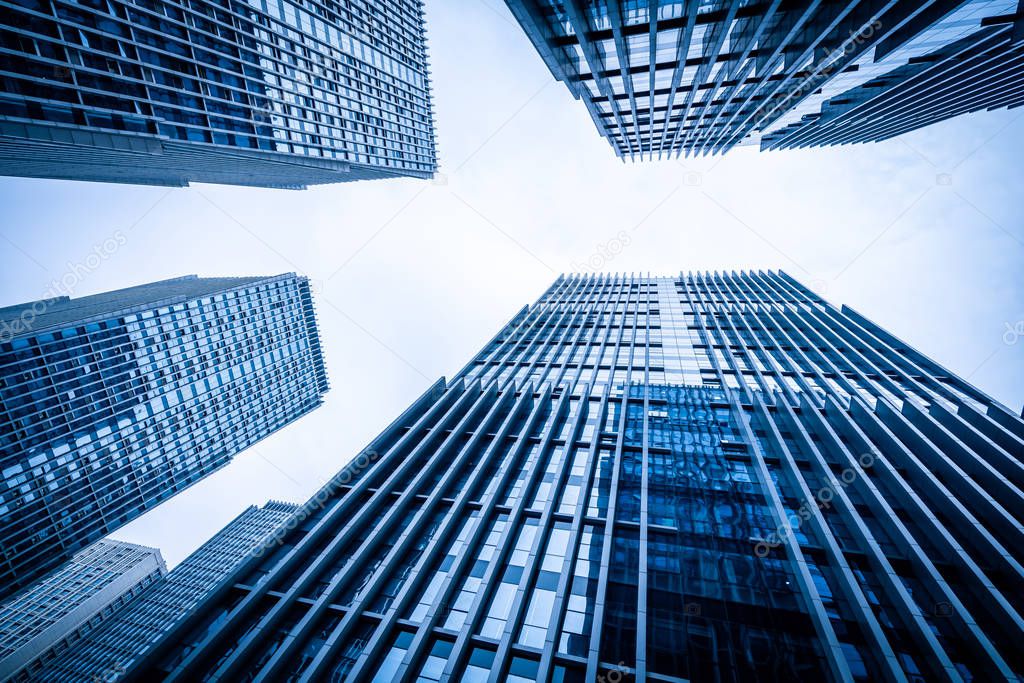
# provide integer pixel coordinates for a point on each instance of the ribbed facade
(57, 612)
(708, 477)
(110, 404)
(671, 77)
(108, 651)
(272, 93)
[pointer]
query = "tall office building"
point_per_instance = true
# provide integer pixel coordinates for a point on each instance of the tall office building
(112, 403)
(695, 478)
(699, 77)
(273, 93)
(109, 650)
(60, 610)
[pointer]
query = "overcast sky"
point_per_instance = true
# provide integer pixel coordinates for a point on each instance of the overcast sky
(924, 235)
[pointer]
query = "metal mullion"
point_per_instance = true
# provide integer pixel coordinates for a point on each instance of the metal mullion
(492, 575)
(844, 61)
(425, 405)
(809, 594)
(652, 45)
(543, 312)
(440, 404)
(768, 67)
(578, 18)
(810, 335)
(992, 429)
(883, 338)
(771, 314)
(713, 56)
(499, 354)
(479, 532)
(682, 50)
(909, 613)
(880, 647)
(538, 361)
(545, 316)
(545, 526)
(622, 47)
(465, 408)
(445, 531)
(929, 74)
(945, 99)
(878, 368)
(503, 352)
(998, 519)
(823, 331)
(738, 75)
(730, 311)
(770, 361)
(488, 397)
(593, 656)
(580, 312)
(936, 495)
(995, 483)
(479, 604)
(641, 610)
(782, 282)
(776, 371)
(484, 355)
(1003, 612)
(981, 452)
(989, 91)
(565, 580)
(711, 309)
(933, 386)
(870, 106)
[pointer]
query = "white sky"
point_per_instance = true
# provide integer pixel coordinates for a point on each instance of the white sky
(413, 277)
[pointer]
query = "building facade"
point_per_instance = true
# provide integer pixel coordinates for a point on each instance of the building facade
(112, 403)
(708, 477)
(272, 93)
(57, 612)
(669, 77)
(108, 651)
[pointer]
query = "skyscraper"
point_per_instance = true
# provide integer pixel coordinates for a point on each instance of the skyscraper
(112, 403)
(273, 93)
(111, 648)
(672, 77)
(60, 610)
(710, 477)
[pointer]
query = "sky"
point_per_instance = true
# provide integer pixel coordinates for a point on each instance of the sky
(922, 234)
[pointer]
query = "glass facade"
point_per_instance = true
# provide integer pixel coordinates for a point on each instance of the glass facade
(272, 93)
(108, 651)
(672, 77)
(110, 404)
(57, 612)
(708, 477)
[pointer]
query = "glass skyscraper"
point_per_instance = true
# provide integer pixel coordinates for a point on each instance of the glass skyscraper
(707, 477)
(670, 77)
(112, 403)
(106, 652)
(272, 93)
(57, 612)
